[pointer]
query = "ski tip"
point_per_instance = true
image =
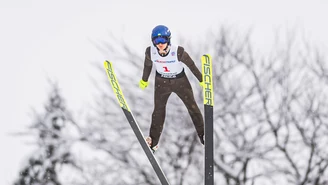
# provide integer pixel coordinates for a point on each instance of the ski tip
(207, 55)
(107, 64)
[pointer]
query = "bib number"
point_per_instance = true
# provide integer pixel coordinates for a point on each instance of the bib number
(166, 69)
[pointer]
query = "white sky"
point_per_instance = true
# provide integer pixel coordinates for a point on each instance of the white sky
(40, 38)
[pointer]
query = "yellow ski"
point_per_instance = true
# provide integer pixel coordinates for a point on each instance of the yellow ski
(134, 125)
(208, 95)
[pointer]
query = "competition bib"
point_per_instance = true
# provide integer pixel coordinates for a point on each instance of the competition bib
(168, 66)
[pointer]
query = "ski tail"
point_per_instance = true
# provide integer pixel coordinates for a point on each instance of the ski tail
(208, 96)
(134, 125)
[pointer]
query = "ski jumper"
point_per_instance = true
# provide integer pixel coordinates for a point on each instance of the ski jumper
(170, 77)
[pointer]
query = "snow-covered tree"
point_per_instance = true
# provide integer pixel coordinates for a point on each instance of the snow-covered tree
(53, 146)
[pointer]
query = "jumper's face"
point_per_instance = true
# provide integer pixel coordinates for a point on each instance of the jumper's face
(161, 42)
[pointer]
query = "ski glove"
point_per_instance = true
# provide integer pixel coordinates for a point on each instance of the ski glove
(143, 84)
(201, 84)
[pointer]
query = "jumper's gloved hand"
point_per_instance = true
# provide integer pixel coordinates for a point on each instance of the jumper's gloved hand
(201, 84)
(143, 84)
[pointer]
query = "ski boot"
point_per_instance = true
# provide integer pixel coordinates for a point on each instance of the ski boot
(149, 142)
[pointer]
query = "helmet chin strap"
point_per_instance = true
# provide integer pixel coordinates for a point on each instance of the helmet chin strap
(165, 51)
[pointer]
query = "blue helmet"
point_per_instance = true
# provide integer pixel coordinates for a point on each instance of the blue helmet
(160, 34)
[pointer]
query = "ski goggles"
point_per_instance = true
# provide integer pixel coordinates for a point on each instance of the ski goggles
(160, 40)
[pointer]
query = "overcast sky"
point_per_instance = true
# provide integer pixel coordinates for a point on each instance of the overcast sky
(43, 38)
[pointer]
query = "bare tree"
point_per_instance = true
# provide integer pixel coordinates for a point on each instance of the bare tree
(270, 116)
(270, 113)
